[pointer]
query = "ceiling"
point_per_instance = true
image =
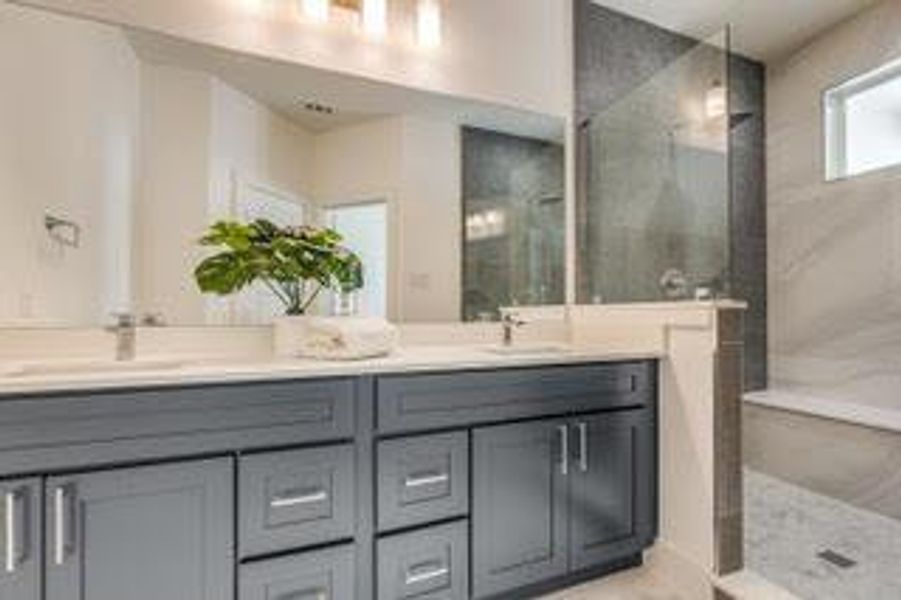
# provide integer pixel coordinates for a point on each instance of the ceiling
(288, 88)
(762, 29)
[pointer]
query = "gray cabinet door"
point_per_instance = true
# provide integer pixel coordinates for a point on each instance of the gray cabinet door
(152, 533)
(612, 498)
(20, 535)
(519, 507)
(319, 575)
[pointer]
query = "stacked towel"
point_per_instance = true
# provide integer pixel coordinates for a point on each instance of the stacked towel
(348, 338)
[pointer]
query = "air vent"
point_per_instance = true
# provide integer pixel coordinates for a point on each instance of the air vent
(318, 107)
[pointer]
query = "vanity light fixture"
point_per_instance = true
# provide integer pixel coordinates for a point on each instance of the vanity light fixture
(374, 17)
(715, 101)
(428, 23)
(316, 10)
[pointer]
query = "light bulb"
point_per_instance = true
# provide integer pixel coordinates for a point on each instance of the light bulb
(316, 10)
(715, 102)
(375, 17)
(428, 23)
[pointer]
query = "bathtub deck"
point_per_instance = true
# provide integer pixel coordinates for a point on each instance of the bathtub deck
(787, 527)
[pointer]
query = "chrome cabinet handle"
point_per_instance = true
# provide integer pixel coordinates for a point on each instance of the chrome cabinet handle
(413, 577)
(11, 559)
(564, 449)
(60, 525)
(583, 446)
(431, 479)
(288, 501)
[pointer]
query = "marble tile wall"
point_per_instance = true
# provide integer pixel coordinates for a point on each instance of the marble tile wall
(614, 54)
(834, 247)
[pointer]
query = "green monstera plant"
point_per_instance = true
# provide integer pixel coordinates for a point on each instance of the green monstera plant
(295, 263)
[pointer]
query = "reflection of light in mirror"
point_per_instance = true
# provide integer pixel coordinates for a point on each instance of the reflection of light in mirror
(486, 224)
(375, 17)
(715, 101)
(250, 6)
(428, 23)
(316, 10)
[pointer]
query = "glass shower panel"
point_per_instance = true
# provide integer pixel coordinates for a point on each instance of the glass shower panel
(655, 197)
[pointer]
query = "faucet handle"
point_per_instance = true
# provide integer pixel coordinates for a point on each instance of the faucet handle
(512, 319)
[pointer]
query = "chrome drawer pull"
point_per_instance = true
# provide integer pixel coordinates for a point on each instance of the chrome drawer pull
(414, 578)
(313, 594)
(314, 498)
(415, 482)
(10, 532)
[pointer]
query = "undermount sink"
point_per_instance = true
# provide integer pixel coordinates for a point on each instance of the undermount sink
(528, 349)
(87, 367)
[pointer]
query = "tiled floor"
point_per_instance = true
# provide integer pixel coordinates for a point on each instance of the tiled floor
(630, 585)
(787, 527)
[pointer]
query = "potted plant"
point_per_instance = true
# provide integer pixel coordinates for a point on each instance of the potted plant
(295, 263)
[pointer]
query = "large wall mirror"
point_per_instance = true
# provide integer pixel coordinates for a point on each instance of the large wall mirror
(118, 148)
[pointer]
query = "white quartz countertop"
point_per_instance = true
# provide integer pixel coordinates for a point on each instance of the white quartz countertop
(178, 371)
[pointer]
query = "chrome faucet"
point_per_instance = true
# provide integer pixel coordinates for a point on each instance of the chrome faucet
(509, 322)
(125, 328)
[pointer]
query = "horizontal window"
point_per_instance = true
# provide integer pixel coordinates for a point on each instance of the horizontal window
(863, 123)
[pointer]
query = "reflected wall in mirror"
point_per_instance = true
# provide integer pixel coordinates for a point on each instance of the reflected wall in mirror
(118, 148)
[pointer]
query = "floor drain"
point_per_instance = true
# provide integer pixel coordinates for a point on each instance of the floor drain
(839, 560)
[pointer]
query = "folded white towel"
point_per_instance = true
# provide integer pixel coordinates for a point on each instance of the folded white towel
(349, 338)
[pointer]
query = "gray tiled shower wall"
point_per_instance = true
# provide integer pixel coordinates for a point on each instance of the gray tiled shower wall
(616, 54)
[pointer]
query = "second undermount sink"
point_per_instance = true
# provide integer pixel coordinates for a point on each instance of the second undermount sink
(88, 367)
(528, 349)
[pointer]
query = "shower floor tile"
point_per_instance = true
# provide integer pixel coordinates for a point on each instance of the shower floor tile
(795, 538)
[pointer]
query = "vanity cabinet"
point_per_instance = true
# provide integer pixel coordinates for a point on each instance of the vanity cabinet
(20, 577)
(560, 496)
(519, 506)
(612, 487)
(439, 485)
(144, 534)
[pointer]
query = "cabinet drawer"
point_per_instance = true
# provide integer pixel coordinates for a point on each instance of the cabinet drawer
(428, 564)
(291, 500)
(322, 575)
(422, 479)
(47, 432)
(432, 401)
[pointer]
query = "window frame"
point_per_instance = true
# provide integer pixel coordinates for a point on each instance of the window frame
(835, 124)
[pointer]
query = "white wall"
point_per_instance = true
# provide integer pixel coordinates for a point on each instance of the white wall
(175, 188)
(414, 165)
(514, 52)
(834, 248)
(68, 145)
(201, 137)
(431, 215)
(257, 145)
